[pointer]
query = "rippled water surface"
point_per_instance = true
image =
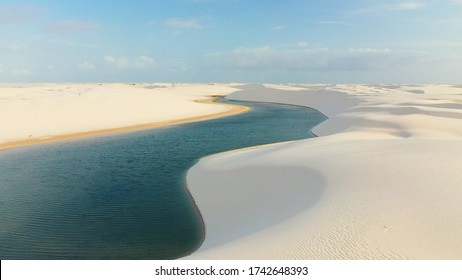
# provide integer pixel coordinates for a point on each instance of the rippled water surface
(124, 197)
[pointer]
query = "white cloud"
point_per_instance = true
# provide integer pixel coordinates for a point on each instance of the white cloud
(278, 28)
(21, 72)
(176, 65)
(451, 22)
(302, 45)
(18, 14)
(406, 6)
(123, 63)
(85, 65)
(74, 44)
(390, 8)
(14, 47)
(73, 26)
(331, 22)
(265, 58)
(180, 24)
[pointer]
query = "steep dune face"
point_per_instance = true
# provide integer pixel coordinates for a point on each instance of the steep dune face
(381, 182)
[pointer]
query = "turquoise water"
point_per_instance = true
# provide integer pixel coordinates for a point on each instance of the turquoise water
(124, 196)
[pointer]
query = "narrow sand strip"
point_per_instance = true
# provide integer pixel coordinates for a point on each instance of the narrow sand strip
(382, 181)
(233, 110)
(50, 134)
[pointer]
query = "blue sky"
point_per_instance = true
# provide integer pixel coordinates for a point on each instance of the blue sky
(291, 41)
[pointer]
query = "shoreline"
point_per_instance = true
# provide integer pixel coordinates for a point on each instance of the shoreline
(234, 110)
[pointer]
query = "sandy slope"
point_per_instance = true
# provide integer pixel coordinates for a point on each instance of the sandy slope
(383, 180)
(47, 112)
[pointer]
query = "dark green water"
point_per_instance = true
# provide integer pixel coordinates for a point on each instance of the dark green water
(124, 197)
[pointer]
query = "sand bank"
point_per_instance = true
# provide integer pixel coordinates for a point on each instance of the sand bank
(37, 114)
(382, 181)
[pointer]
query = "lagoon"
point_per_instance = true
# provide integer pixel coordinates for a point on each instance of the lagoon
(124, 196)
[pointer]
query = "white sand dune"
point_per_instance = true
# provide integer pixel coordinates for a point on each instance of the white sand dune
(45, 111)
(383, 180)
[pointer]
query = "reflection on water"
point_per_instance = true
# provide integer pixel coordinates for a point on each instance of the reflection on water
(124, 197)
